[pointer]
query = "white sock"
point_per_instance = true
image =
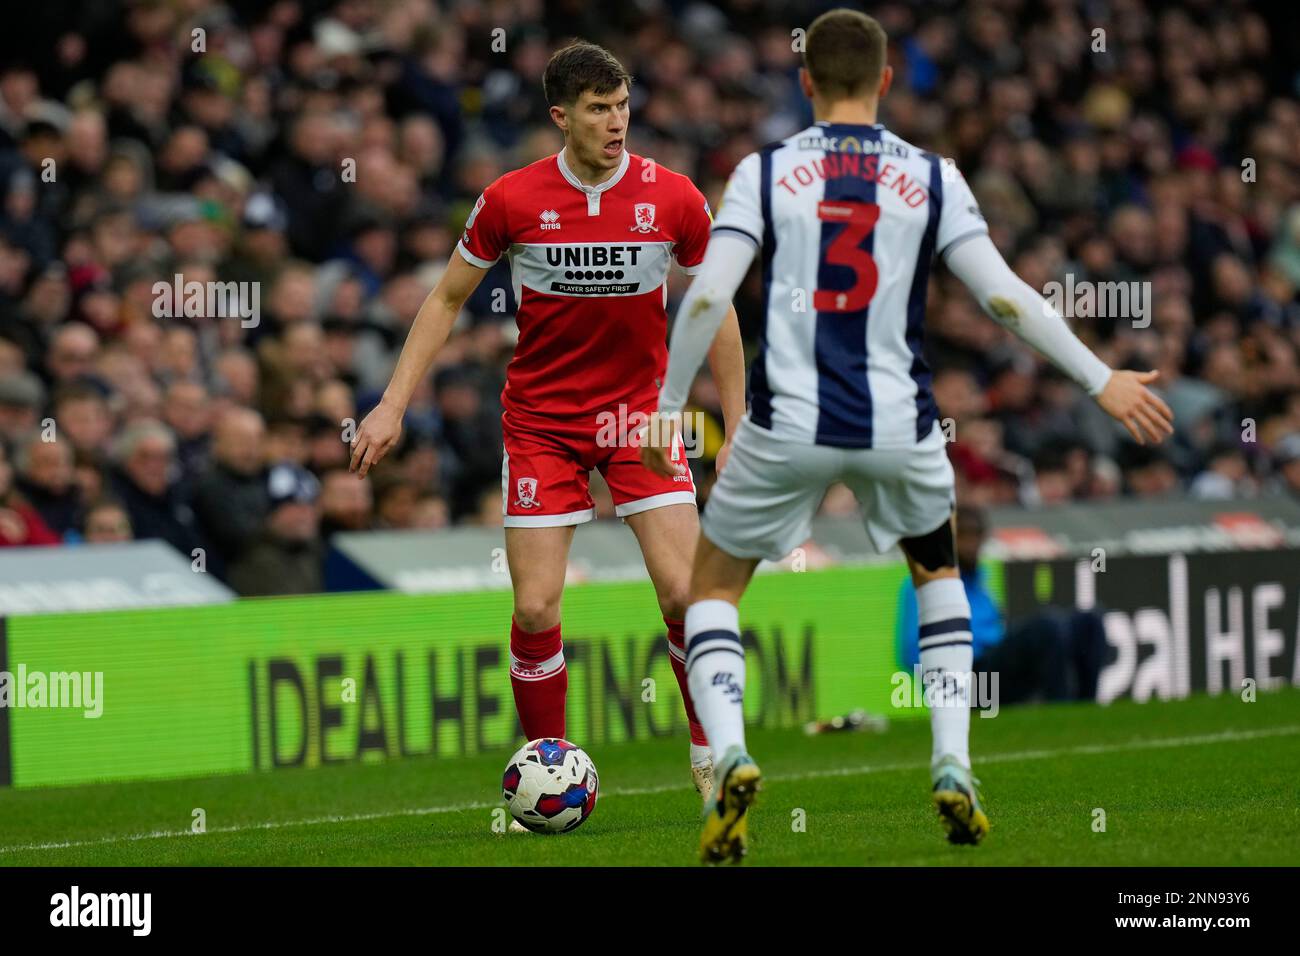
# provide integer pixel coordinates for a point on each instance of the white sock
(700, 754)
(715, 670)
(946, 658)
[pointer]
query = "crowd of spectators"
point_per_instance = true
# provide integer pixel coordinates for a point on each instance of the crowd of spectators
(327, 153)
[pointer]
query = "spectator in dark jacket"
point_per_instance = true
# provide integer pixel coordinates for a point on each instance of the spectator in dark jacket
(144, 483)
(308, 182)
(47, 480)
(288, 557)
(20, 525)
(187, 411)
(230, 501)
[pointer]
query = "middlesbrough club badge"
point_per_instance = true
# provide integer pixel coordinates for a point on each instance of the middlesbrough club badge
(644, 213)
(526, 493)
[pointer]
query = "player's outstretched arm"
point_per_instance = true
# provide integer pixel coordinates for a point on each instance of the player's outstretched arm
(379, 431)
(699, 317)
(1014, 304)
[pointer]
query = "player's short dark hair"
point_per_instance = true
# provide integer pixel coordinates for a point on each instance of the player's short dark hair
(77, 391)
(580, 67)
(845, 53)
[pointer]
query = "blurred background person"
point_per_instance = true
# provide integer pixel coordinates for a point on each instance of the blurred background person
(1054, 655)
(106, 523)
(287, 557)
(226, 166)
(144, 481)
(20, 524)
(230, 498)
(47, 480)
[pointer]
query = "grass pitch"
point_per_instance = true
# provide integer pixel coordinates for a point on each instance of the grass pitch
(1206, 781)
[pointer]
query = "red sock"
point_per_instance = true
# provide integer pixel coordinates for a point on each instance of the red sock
(677, 656)
(539, 679)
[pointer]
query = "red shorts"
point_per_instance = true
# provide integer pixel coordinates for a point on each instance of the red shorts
(547, 462)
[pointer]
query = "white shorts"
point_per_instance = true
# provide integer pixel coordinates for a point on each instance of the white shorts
(763, 503)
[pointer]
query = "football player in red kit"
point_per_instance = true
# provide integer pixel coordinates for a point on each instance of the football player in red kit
(590, 234)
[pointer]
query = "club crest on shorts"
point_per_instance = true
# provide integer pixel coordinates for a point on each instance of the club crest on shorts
(526, 493)
(644, 213)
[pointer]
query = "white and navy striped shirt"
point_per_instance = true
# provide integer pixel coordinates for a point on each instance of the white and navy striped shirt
(847, 219)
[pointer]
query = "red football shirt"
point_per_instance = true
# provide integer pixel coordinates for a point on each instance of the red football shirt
(589, 266)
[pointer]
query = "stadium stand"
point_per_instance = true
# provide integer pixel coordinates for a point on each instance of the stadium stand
(327, 154)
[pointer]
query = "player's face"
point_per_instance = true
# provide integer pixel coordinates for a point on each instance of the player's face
(597, 126)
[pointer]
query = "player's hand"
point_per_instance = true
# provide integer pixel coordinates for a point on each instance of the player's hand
(724, 453)
(658, 441)
(375, 437)
(1127, 399)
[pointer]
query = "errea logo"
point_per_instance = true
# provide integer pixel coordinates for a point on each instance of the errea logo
(550, 219)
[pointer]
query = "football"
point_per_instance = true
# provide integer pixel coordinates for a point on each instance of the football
(550, 785)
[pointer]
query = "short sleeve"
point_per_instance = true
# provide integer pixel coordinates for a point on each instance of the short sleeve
(741, 213)
(960, 219)
(486, 237)
(694, 238)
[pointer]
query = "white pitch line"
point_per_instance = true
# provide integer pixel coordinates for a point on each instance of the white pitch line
(1010, 757)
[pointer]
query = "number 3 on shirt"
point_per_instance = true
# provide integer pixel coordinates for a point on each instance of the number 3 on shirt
(859, 218)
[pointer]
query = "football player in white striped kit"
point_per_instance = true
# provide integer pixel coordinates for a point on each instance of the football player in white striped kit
(846, 218)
